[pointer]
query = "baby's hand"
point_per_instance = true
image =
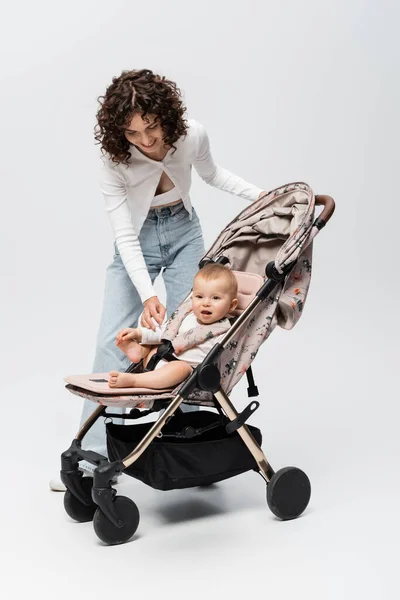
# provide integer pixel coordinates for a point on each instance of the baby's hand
(127, 334)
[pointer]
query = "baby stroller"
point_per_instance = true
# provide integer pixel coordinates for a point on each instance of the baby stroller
(269, 248)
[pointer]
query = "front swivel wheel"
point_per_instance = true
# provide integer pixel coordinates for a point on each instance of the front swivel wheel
(288, 493)
(75, 508)
(128, 515)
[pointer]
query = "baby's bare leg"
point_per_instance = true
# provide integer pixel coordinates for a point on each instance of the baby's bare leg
(152, 351)
(168, 376)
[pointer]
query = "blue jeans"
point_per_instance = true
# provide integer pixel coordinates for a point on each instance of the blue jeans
(172, 244)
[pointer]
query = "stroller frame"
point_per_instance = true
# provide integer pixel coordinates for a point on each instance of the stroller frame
(115, 517)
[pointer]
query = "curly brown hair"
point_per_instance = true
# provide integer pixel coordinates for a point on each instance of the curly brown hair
(138, 91)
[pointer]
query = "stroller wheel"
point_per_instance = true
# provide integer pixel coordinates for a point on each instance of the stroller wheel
(74, 507)
(288, 493)
(109, 533)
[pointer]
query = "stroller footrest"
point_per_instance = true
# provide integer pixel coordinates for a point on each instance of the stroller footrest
(93, 457)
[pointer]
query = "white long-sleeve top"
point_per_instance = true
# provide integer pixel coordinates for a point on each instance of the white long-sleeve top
(129, 190)
(194, 356)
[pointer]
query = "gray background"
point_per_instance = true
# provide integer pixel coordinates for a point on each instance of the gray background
(287, 91)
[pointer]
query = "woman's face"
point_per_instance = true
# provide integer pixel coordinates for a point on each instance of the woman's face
(145, 133)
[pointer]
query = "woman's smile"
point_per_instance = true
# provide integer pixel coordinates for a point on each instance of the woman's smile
(148, 147)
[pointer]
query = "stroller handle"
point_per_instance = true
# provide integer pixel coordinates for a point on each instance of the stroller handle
(329, 208)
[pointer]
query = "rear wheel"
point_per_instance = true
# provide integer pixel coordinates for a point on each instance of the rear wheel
(288, 493)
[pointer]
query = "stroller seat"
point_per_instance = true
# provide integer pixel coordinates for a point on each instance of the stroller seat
(95, 386)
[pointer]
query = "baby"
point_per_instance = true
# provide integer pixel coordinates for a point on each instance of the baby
(213, 298)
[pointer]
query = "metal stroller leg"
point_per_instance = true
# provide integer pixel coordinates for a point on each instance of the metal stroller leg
(89, 422)
(289, 489)
(264, 467)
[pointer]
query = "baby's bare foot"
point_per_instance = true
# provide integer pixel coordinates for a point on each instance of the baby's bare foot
(119, 380)
(133, 350)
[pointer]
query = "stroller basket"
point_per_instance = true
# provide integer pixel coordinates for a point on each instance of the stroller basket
(173, 461)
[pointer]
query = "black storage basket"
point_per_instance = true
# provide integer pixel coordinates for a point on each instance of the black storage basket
(171, 462)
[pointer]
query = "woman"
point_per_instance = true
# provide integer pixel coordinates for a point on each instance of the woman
(148, 150)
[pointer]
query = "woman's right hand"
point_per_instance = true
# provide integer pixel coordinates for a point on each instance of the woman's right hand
(152, 308)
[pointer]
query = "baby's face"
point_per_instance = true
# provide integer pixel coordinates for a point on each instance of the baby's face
(212, 299)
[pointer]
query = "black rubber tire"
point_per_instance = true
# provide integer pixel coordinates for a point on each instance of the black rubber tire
(288, 493)
(74, 507)
(107, 532)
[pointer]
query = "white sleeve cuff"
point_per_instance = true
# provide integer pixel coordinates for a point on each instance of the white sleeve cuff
(149, 336)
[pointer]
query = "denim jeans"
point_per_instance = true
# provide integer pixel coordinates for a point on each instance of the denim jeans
(172, 244)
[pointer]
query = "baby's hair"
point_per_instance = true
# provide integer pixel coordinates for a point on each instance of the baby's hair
(215, 271)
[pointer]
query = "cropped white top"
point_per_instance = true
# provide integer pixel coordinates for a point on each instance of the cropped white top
(166, 198)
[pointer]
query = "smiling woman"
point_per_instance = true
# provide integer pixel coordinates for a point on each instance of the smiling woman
(148, 151)
(145, 133)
